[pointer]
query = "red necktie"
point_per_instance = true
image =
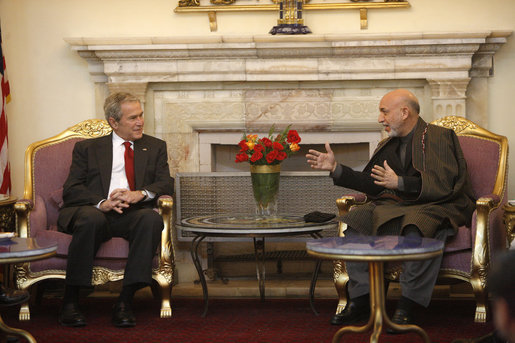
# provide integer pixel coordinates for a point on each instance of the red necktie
(129, 164)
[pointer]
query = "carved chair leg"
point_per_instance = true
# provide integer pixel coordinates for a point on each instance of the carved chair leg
(341, 278)
(481, 314)
(166, 289)
(24, 312)
(166, 308)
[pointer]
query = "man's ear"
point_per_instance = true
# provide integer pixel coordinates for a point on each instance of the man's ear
(405, 112)
(113, 123)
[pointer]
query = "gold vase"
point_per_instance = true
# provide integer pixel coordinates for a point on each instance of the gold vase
(265, 186)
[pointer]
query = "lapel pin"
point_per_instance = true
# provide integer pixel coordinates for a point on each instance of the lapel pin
(144, 149)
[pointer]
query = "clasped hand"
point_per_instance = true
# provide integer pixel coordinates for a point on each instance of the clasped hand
(120, 199)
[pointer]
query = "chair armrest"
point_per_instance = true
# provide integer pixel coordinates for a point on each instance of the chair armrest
(345, 204)
(22, 208)
(481, 246)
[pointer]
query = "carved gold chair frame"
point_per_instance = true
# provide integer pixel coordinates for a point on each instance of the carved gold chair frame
(162, 274)
(480, 260)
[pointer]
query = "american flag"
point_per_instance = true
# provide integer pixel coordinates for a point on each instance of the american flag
(5, 172)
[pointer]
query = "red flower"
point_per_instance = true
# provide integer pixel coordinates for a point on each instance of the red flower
(281, 155)
(266, 142)
(271, 156)
(278, 146)
(269, 150)
(293, 137)
(243, 145)
(242, 157)
(256, 156)
(258, 148)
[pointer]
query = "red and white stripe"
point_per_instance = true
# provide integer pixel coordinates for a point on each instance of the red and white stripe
(5, 170)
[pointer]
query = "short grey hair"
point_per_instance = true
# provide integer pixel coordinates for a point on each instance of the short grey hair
(113, 104)
(413, 103)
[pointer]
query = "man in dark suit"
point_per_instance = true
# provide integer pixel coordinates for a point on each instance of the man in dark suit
(110, 192)
(418, 182)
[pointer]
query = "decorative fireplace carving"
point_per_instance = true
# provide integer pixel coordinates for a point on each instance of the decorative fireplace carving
(324, 83)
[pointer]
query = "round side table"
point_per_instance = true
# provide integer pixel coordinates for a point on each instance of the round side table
(376, 250)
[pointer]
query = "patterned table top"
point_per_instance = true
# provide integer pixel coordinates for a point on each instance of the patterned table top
(252, 225)
(387, 248)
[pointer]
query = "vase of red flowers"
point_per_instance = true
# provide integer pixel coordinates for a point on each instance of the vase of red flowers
(265, 156)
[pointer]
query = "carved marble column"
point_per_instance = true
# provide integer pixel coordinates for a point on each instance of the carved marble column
(449, 97)
(482, 69)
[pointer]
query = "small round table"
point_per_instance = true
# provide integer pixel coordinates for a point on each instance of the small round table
(376, 250)
(20, 250)
(254, 227)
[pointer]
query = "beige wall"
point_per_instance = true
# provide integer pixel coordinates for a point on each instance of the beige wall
(51, 87)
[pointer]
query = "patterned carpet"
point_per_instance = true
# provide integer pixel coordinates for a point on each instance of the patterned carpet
(235, 320)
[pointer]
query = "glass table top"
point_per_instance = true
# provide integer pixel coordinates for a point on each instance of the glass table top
(374, 245)
(251, 224)
(17, 247)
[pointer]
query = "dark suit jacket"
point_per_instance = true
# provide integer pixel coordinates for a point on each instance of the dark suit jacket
(90, 173)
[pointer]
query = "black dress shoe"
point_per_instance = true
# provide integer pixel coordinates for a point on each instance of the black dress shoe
(71, 315)
(400, 317)
(352, 314)
(123, 316)
(10, 296)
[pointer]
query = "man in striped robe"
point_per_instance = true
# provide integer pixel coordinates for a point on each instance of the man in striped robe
(418, 184)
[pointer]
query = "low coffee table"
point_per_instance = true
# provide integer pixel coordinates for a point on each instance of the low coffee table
(376, 250)
(255, 227)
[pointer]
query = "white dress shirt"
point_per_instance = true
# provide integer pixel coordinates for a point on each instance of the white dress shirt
(118, 176)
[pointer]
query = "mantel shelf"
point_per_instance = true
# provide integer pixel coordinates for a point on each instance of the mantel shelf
(361, 6)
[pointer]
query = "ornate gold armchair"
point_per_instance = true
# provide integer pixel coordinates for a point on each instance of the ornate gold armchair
(467, 255)
(47, 164)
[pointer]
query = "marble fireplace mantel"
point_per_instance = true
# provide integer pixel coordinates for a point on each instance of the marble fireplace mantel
(211, 84)
(446, 60)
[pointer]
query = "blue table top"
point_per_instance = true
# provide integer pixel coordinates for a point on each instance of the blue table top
(389, 247)
(16, 247)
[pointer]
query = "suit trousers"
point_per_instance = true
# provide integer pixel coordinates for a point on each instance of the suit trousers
(417, 278)
(90, 227)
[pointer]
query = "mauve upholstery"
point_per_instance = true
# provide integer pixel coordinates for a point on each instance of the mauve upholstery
(458, 249)
(51, 167)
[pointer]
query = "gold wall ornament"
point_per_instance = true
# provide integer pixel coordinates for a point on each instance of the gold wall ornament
(290, 20)
(189, 3)
(222, 2)
(213, 6)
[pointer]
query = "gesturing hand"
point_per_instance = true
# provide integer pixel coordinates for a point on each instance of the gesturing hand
(385, 177)
(320, 160)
